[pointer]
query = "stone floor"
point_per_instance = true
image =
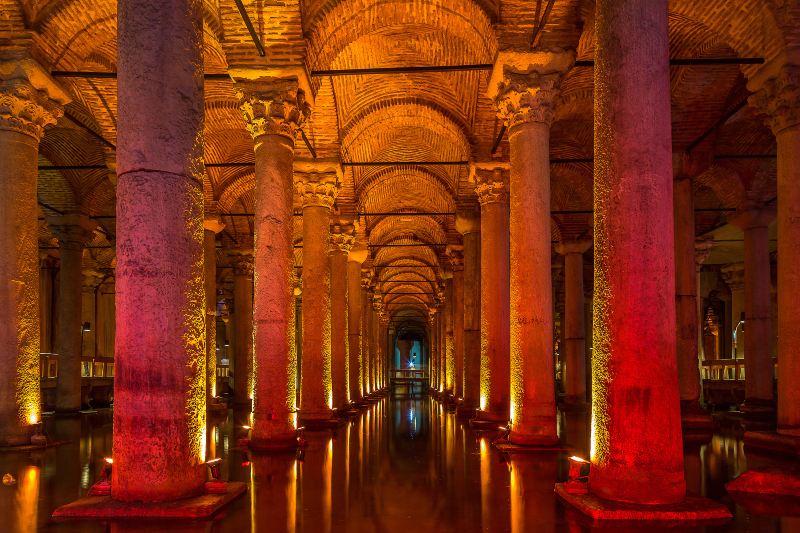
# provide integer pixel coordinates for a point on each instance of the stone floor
(404, 465)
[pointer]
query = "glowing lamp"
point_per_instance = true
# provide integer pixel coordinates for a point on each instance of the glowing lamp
(247, 428)
(86, 327)
(103, 485)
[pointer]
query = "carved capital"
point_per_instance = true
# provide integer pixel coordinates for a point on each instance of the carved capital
(342, 238)
(702, 249)
(491, 183)
(92, 279)
(779, 98)
(317, 183)
(455, 254)
(733, 275)
(358, 253)
(274, 107)
(30, 100)
(73, 231)
(242, 262)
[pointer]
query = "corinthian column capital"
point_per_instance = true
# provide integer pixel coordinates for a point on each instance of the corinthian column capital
(778, 97)
(491, 182)
(317, 183)
(524, 85)
(342, 238)
(275, 107)
(30, 100)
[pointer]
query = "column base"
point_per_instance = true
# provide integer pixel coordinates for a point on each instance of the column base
(106, 508)
(769, 491)
(218, 408)
(692, 510)
(574, 405)
(319, 423)
(276, 444)
(465, 412)
(770, 441)
(517, 442)
(488, 421)
(759, 414)
(694, 418)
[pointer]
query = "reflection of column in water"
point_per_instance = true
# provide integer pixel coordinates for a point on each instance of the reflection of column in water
(494, 484)
(274, 494)
(485, 484)
(533, 505)
(693, 469)
(27, 498)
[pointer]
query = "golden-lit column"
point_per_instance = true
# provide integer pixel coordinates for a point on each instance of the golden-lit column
(636, 424)
(524, 87)
(376, 349)
(211, 226)
(341, 242)
(441, 295)
(492, 190)
(243, 268)
(469, 225)
(456, 256)
(317, 184)
(447, 335)
(74, 232)
(273, 111)
(29, 102)
(160, 383)
(383, 339)
(574, 340)
(366, 312)
(433, 311)
(48, 265)
(777, 94)
(356, 257)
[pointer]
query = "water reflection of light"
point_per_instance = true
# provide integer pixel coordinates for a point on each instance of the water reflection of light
(485, 484)
(27, 497)
(85, 476)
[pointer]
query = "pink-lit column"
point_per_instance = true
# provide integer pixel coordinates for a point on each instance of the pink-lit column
(160, 379)
(456, 256)
(356, 257)
(469, 225)
(211, 226)
(317, 185)
(634, 368)
(73, 233)
(759, 400)
(273, 111)
(524, 87)
(341, 242)
(574, 341)
(29, 102)
(779, 97)
(242, 326)
(492, 191)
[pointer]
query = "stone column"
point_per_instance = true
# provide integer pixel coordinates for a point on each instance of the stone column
(160, 383)
(73, 233)
(733, 275)
(634, 369)
(523, 87)
(447, 336)
(48, 265)
(317, 185)
(469, 225)
(383, 336)
(434, 347)
(492, 190)
(366, 312)
(759, 401)
(356, 257)
(242, 326)
(375, 350)
(273, 111)
(29, 102)
(211, 226)
(341, 242)
(779, 97)
(574, 340)
(456, 256)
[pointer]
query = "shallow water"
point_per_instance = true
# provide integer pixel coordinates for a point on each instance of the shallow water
(405, 465)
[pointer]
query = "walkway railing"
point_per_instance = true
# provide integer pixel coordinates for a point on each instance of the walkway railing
(409, 374)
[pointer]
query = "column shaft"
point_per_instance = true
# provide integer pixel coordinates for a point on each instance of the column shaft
(472, 317)
(366, 311)
(354, 329)
(449, 341)
(159, 386)
(634, 368)
(574, 339)
(339, 322)
(243, 289)
(212, 226)
(458, 331)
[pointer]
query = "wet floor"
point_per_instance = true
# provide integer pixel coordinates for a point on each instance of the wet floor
(405, 465)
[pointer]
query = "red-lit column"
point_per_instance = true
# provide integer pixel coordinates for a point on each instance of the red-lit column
(211, 226)
(759, 401)
(317, 185)
(636, 424)
(160, 381)
(341, 242)
(29, 102)
(492, 191)
(273, 111)
(574, 341)
(456, 256)
(469, 225)
(524, 87)
(779, 98)
(242, 326)
(73, 233)
(356, 257)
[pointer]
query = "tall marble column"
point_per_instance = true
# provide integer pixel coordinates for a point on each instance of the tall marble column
(733, 275)
(447, 336)
(273, 112)
(48, 266)
(356, 257)
(341, 242)
(433, 337)
(73, 233)
(634, 368)
(455, 254)
(29, 102)
(383, 336)
(759, 400)
(242, 326)
(317, 185)
(366, 313)
(523, 87)
(159, 387)
(211, 226)
(469, 225)
(492, 190)
(574, 340)
(778, 95)
(376, 348)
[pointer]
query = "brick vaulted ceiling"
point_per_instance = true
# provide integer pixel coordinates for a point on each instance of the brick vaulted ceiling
(422, 116)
